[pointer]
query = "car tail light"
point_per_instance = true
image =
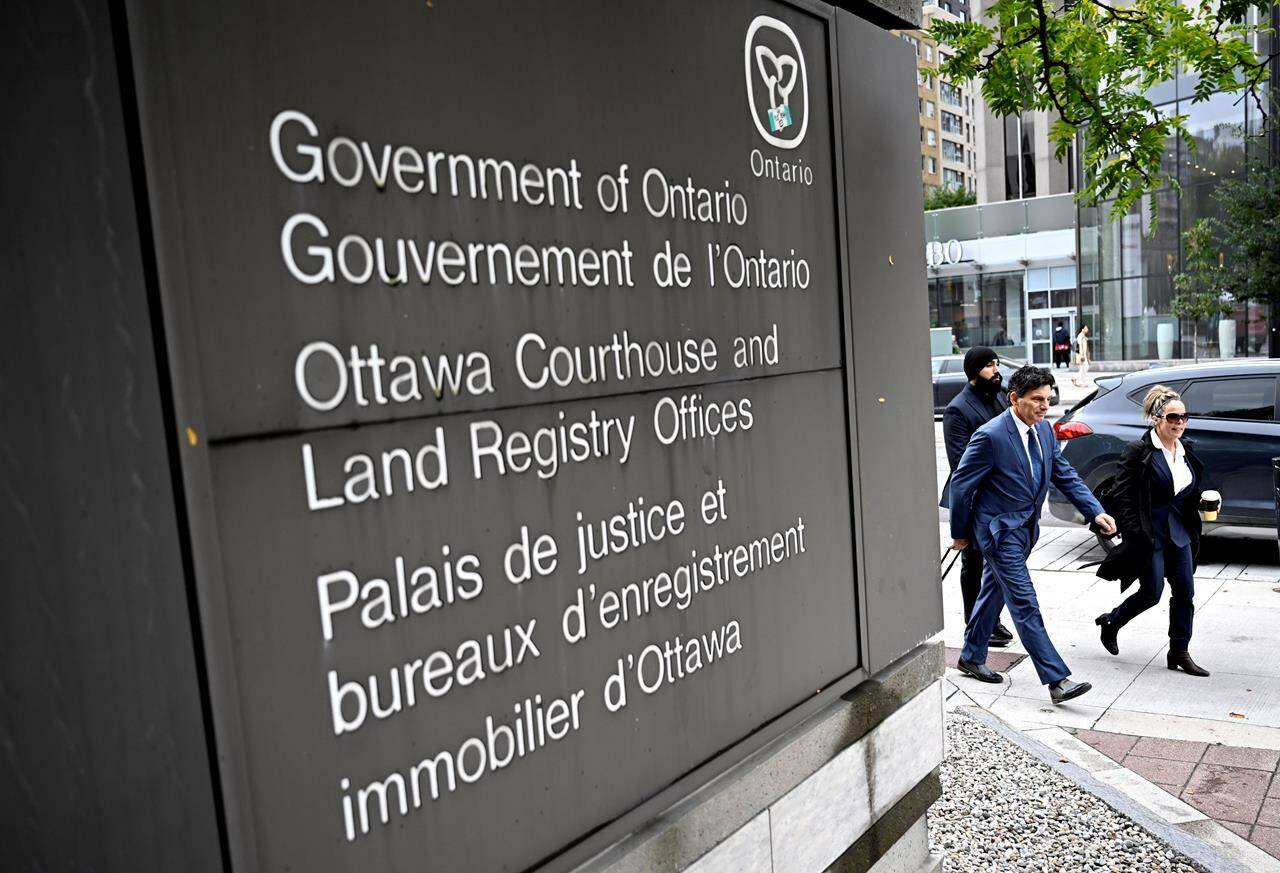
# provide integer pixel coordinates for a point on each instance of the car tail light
(1069, 430)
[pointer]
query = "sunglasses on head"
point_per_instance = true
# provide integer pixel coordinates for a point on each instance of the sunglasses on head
(1176, 417)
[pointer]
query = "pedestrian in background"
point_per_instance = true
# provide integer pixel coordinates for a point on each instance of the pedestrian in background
(997, 491)
(1156, 497)
(1061, 346)
(1082, 356)
(979, 401)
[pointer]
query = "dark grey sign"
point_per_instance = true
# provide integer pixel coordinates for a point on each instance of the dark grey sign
(427, 186)
(508, 347)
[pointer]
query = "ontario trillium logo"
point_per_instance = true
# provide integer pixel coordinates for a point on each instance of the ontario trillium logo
(777, 82)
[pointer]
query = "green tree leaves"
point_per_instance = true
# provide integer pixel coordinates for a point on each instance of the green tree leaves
(1093, 63)
(945, 198)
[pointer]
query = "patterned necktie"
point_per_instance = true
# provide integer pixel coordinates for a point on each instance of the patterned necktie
(1037, 459)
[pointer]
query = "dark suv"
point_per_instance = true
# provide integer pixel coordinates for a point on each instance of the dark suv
(1234, 431)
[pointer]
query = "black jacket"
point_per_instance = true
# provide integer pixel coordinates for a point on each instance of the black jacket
(1141, 486)
(966, 412)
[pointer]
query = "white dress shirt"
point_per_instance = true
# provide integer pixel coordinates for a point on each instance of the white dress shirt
(1177, 461)
(1023, 430)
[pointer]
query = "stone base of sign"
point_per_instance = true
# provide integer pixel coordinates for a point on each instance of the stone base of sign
(844, 792)
(899, 840)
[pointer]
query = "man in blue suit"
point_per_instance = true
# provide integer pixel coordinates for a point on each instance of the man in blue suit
(996, 494)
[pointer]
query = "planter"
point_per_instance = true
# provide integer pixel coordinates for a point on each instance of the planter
(1227, 337)
(1164, 341)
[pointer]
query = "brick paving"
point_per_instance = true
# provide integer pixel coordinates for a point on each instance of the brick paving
(996, 659)
(1237, 787)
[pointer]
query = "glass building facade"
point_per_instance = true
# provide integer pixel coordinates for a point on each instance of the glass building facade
(1004, 274)
(1127, 275)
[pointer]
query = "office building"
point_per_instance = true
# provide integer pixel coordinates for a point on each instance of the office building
(948, 136)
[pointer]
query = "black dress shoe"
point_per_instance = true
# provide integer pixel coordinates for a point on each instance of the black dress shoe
(1182, 661)
(1000, 632)
(978, 671)
(1064, 690)
(995, 642)
(1109, 632)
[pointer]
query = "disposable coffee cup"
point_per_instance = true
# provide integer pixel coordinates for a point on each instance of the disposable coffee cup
(1210, 504)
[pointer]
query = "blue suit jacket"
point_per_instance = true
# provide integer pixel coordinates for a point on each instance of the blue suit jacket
(992, 491)
(965, 414)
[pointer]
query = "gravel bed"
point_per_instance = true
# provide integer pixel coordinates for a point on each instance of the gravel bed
(1002, 810)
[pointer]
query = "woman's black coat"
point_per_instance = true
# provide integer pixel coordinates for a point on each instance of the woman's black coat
(1129, 500)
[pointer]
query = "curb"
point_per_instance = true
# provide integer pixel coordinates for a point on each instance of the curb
(1180, 826)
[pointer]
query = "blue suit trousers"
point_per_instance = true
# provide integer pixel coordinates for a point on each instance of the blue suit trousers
(1006, 581)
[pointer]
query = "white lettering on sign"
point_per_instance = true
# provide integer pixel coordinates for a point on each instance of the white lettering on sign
(938, 254)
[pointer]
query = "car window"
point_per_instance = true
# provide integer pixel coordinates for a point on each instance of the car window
(1137, 395)
(1252, 398)
(937, 366)
(954, 365)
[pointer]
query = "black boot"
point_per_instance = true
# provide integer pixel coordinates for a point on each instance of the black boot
(1109, 631)
(1182, 660)
(1000, 632)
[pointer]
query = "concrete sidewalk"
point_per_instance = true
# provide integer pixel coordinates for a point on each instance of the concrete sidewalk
(1212, 743)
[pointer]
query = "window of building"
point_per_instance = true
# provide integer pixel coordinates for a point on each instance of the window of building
(1252, 398)
(933, 138)
(929, 109)
(950, 94)
(952, 123)
(984, 310)
(952, 178)
(1051, 286)
(931, 165)
(1216, 126)
(920, 102)
(928, 52)
(1019, 157)
(952, 151)
(1062, 277)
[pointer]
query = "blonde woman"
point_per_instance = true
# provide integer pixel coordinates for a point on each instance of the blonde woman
(1082, 356)
(1157, 497)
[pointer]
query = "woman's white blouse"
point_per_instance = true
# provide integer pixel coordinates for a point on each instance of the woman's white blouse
(1177, 461)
